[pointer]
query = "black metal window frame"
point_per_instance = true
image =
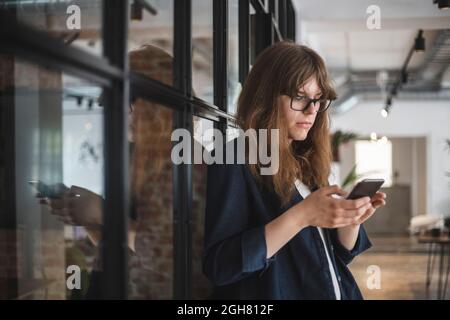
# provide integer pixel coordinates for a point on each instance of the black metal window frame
(111, 72)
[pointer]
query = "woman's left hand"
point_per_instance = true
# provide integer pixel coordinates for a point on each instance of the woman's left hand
(378, 200)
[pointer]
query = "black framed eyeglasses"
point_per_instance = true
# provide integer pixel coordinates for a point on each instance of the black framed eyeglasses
(302, 103)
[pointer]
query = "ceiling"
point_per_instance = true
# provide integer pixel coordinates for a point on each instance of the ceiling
(338, 31)
(355, 55)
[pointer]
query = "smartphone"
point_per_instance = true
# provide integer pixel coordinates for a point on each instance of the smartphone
(48, 191)
(366, 188)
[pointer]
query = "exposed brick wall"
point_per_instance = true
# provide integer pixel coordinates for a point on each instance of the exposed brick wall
(47, 280)
(151, 271)
(49, 263)
(10, 256)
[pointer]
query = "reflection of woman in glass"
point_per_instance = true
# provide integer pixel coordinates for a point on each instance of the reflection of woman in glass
(288, 235)
(148, 163)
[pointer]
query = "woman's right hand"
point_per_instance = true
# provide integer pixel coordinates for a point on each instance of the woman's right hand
(77, 206)
(321, 209)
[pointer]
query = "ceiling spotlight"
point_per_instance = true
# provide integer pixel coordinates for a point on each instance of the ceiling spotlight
(442, 4)
(373, 136)
(136, 10)
(419, 42)
(138, 7)
(385, 111)
(79, 100)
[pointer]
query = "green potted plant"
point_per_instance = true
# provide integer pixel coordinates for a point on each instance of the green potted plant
(352, 177)
(339, 137)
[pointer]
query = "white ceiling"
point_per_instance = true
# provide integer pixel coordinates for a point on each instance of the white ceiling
(337, 30)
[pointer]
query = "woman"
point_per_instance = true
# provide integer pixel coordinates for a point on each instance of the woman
(289, 235)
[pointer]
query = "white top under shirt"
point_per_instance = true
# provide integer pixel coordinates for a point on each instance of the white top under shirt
(304, 192)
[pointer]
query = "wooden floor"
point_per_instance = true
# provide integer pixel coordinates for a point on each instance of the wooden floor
(403, 264)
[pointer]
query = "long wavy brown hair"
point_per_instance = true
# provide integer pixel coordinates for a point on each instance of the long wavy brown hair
(282, 69)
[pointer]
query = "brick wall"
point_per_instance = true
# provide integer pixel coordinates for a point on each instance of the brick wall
(151, 270)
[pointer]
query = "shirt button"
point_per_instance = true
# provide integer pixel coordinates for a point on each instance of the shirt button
(339, 278)
(332, 248)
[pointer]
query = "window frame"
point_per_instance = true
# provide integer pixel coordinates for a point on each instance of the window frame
(111, 71)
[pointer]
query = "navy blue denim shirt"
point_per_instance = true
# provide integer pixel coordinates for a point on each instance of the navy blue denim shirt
(234, 257)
